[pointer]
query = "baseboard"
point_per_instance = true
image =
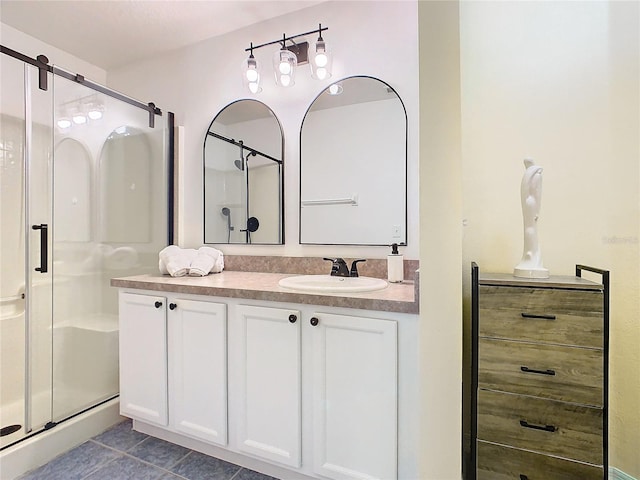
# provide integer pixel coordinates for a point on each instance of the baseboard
(615, 474)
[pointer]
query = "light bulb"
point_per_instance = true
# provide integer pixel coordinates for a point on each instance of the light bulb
(285, 68)
(285, 80)
(252, 75)
(95, 114)
(254, 87)
(64, 123)
(79, 119)
(335, 89)
(321, 59)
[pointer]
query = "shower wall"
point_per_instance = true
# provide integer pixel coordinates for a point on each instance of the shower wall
(100, 185)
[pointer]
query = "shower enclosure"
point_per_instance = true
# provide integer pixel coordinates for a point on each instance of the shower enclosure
(84, 197)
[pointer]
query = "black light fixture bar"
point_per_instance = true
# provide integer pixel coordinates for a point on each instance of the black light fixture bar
(241, 144)
(42, 63)
(285, 39)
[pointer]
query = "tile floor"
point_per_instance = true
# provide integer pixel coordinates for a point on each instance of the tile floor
(123, 454)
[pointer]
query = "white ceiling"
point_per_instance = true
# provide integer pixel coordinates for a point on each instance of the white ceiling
(112, 33)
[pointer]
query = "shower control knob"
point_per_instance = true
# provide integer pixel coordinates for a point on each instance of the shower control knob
(293, 318)
(158, 304)
(314, 321)
(172, 306)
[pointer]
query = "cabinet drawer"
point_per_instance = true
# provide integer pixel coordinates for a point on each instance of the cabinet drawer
(545, 426)
(568, 317)
(561, 373)
(496, 462)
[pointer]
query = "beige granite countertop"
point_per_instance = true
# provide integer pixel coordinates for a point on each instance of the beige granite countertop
(397, 297)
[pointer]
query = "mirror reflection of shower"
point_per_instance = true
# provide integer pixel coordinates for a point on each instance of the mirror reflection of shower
(227, 213)
(242, 160)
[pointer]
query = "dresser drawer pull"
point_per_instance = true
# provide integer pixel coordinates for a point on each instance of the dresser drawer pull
(546, 428)
(537, 315)
(539, 372)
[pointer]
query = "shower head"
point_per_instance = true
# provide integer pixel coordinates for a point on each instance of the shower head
(225, 211)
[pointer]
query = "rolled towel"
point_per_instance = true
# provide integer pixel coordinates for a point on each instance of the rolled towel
(208, 260)
(201, 265)
(164, 256)
(176, 261)
(178, 265)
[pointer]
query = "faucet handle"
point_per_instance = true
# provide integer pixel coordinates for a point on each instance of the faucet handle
(339, 267)
(354, 267)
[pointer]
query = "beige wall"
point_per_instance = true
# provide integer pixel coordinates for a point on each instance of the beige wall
(559, 81)
(440, 242)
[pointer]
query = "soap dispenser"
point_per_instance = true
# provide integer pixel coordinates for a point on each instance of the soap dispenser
(395, 265)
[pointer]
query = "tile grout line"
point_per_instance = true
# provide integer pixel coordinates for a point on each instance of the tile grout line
(126, 454)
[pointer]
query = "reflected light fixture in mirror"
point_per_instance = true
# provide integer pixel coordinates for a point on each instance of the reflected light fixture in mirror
(287, 59)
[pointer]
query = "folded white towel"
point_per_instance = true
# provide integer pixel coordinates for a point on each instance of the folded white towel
(209, 260)
(176, 261)
(201, 265)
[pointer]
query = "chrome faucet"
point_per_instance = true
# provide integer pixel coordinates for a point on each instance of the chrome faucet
(339, 267)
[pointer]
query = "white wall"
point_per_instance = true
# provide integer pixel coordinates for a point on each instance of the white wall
(198, 81)
(559, 81)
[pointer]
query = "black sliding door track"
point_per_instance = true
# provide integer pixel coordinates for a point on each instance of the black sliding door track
(42, 63)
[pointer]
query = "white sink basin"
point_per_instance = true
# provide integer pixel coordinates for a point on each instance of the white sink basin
(327, 283)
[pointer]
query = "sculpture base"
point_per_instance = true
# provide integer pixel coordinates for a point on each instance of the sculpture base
(531, 272)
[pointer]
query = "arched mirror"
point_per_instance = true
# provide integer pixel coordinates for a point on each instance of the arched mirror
(243, 176)
(353, 165)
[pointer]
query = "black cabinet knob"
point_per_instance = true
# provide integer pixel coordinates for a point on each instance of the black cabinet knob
(158, 304)
(314, 321)
(293, 318)
(172, 306)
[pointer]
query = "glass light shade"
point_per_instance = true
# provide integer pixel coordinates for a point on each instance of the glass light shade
(251, 74)
(79, 118)
(321, 60)
(284, 67)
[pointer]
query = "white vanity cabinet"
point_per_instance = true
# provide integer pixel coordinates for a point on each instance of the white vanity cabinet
(173, 364)
(269, 383)
(355, 391)
(143, 358)
(293, 390)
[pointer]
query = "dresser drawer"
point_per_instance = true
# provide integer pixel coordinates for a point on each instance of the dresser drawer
(559, 316)
(544, 426)
(561, 373)
(496, 462)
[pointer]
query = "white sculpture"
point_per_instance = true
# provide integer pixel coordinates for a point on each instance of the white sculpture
(530, 192)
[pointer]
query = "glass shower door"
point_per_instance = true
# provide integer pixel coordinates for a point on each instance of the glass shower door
(110, 220)
(25, 244)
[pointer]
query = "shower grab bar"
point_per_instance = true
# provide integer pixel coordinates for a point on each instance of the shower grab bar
(11, 299)
(44, 242)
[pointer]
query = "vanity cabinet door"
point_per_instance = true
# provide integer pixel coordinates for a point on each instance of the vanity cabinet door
(355, 391)
(197, 346)
(269, 383)
(143, 357)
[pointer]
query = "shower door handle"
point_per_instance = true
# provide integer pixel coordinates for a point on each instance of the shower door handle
(44, 245)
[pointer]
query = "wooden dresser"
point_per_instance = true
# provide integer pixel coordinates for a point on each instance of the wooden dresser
(539, 393)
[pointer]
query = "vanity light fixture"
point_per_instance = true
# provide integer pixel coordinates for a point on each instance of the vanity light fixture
(321, 59)
(251, 73)
(287, 59)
